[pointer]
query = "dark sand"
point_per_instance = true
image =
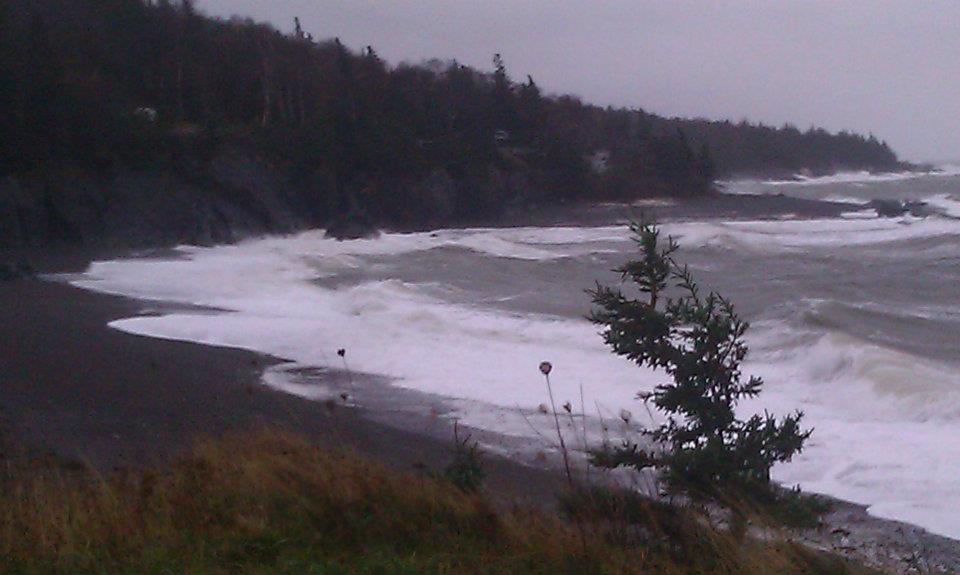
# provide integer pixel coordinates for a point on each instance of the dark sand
(74, 388)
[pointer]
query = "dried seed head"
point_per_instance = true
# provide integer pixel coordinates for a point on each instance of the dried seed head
(542, 408)
(342, 352)
(546, 367)
(625, 415)
(567, 407)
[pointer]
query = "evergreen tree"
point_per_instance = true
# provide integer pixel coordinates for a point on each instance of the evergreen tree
(74, 73)
(698, 341)
(706, 169)
(531, 111)
(504, 110)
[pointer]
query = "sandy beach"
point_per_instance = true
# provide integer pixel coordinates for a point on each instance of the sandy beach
(75, 389)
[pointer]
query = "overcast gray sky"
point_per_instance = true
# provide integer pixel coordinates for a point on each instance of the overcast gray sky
(882, 66)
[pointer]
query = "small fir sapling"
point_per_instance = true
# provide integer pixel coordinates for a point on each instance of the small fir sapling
(698, 340)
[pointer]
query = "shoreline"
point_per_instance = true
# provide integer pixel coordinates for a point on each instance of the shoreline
(101, 398)
(73, 258)
(75, 390)
(113, 400)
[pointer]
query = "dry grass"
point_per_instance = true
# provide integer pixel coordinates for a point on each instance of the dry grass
(274, 503)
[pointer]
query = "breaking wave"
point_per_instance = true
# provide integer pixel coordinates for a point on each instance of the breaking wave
(880, 413)
(785, 235)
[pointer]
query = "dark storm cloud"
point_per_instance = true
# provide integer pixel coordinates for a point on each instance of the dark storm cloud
(887, 67)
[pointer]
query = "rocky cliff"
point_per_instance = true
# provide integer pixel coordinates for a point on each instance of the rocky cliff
(233, 195)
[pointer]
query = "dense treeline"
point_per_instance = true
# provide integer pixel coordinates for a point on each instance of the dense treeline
(104, 86)
(743, 149)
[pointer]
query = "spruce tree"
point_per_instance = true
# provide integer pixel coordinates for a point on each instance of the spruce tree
(696, 339)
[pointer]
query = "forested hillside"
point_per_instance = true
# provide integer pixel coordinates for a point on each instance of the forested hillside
(117, 96)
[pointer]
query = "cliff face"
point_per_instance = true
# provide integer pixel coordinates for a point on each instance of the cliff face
(233, 196)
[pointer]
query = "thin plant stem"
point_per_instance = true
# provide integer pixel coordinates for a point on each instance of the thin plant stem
(583, 415)
(534, 428)
(556, 419)
(603, 425)
(347, 369)
(573, 426)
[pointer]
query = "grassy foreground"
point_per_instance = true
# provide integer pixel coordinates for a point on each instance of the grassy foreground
(274, 503)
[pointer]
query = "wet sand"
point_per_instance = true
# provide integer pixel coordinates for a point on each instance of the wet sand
(73, 388)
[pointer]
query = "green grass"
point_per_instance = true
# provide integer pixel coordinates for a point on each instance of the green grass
(274, 503)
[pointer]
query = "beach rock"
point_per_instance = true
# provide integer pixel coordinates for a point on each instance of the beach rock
(896, 208)
(351, 230)
(889, 208)
(919, 209)
(356, 225)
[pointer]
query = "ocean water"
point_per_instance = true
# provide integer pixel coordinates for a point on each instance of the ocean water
(855, 320)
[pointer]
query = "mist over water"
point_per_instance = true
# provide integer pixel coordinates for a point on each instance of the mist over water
(855, 320)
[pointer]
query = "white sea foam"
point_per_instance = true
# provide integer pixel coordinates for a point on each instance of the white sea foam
(868, 214)
(847, 200)
(846, 178)
(864, 177)
(948, 204)
(390, 327)
(787, 235)
(880, 415)
(885, 426)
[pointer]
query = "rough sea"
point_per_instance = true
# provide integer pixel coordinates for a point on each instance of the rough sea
(855, 320)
